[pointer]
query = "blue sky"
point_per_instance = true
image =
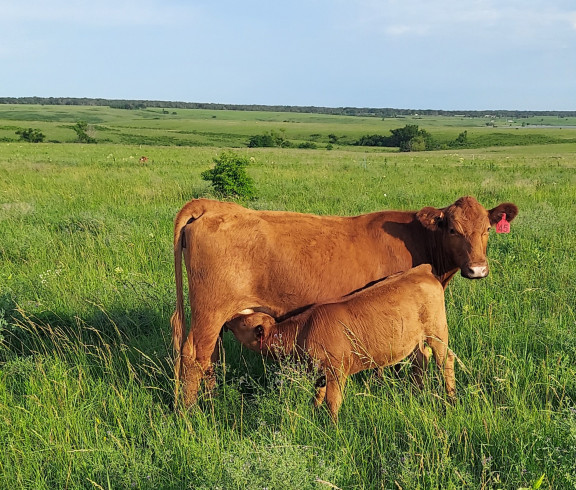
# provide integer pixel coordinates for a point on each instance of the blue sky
(414, 54)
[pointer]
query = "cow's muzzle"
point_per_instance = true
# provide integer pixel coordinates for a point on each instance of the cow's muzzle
(475, 272)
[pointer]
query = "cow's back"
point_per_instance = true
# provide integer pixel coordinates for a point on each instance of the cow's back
(285, 260)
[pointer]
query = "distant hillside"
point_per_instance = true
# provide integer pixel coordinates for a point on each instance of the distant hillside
(340, 111)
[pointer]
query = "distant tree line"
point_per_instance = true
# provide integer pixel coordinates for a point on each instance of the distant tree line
(340, 111)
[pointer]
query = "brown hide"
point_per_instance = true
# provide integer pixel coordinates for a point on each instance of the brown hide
(378, 326)
(238, 258)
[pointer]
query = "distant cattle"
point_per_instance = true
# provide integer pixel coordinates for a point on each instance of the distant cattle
(237, 258)
(378, 326)
(143, 159)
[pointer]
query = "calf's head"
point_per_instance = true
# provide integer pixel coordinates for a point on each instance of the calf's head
(251, 328)
(463, 227)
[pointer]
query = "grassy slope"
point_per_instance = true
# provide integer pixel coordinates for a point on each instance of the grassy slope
(86, 290)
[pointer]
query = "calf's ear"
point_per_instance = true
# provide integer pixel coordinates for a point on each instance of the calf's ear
(430, 218)
(508, 208)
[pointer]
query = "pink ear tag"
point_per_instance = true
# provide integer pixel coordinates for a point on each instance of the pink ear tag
(503, 226)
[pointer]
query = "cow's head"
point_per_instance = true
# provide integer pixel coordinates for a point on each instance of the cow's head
(251, 328)
(464, 228)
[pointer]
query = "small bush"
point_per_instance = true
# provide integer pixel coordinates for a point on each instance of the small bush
(308, 145)
(269, 140)
(82, 131)
(31, 135)
(229, 177)
(262, 141)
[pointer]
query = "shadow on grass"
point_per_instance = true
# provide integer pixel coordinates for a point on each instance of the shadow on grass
(116, 344)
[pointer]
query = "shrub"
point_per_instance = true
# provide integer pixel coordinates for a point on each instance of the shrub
(461, 141)
(269, 140)
(229, 177)
(261, 141)
(31, 135)
(82, 131)
(374, 140)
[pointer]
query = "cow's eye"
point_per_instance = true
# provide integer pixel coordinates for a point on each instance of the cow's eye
(452, 231)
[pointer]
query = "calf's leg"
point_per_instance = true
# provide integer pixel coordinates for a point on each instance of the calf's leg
(320, 391)
(444, 358)
(420, 359)
(334, 390)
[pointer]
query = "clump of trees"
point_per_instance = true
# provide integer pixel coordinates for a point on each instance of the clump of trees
(408, 138)
(411, 138)
(229, 177)
(31, 135)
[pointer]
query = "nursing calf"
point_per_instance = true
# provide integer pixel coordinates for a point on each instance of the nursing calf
(378, 326)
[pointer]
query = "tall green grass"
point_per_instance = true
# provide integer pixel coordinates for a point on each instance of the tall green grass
(86, 292)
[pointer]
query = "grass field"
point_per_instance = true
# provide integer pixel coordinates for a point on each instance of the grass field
(86, 292)
(230, 128)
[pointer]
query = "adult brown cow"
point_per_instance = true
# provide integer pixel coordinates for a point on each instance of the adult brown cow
(237, 258)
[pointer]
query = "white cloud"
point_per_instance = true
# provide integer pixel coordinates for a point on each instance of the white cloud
(510, 18)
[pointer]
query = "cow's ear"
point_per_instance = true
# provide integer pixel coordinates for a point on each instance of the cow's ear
(259, 331)
(430, 218)
(508, 208)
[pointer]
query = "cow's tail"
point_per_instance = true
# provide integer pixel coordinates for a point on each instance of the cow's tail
(190, 212)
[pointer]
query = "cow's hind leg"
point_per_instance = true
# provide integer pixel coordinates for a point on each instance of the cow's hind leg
(190, 374)
(196, 359)
(210, 378)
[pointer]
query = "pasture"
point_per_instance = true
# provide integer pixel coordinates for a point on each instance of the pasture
(87, 289)
(232, 128)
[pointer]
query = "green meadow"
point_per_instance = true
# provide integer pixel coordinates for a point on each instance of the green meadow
(87, 290)
(232, 128)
